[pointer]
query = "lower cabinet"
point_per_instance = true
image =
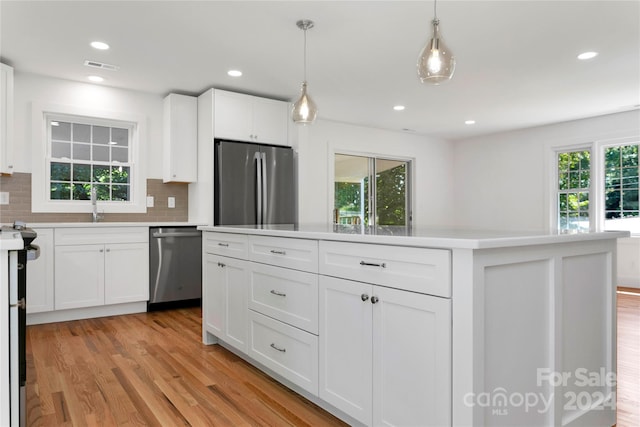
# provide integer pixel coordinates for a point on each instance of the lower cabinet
(40, 294)
(385, 354)
(224, 299)
(92, 275)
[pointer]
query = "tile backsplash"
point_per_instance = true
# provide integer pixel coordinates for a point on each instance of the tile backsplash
(18, 186)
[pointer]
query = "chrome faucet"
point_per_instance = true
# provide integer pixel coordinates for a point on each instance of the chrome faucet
(94, 203)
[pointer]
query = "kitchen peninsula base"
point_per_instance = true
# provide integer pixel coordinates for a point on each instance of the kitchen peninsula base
(430, 328)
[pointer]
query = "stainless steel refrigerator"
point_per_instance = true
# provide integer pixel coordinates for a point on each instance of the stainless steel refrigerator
(254, 184)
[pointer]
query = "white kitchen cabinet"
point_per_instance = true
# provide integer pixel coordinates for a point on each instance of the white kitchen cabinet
(40, 274)
(126, 272)
(79, 276)
(6, 119)
(250, 118)
(224, 293)
(180, 139)
(374, 365)
(101, 266)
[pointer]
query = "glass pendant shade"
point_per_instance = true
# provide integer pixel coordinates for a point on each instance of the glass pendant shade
(436, 63)
(304, 110)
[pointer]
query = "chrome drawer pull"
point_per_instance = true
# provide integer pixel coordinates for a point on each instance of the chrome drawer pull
(280, 294)
(221, 264)
(226, 245)
(373, 264)
(273, 251)
(275, 347)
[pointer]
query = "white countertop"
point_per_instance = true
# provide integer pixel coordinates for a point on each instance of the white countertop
(422, 237)
(108, 224)
(11, 241)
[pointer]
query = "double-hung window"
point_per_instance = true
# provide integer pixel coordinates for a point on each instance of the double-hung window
(87, 155)
(598, 187)
(77, 152)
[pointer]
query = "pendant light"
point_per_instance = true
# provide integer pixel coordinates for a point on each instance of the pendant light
(304, 110)
(436, 62)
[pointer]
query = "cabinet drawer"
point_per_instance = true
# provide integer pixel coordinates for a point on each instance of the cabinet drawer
(225, 244)
(422, 270)
(286, 350)
(101, 234)
(299, 254)
(287, 295)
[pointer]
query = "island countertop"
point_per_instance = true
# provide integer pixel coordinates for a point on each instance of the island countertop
(417, 237)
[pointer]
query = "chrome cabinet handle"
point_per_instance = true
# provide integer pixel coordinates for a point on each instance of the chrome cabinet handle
(280, 294)
(373, 264)
(221, 264)
(275, 347)
(21, 303)
(273, 251)
(226, 245)
(374, 300)
(364, 297)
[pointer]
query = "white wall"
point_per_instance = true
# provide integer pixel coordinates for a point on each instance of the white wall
(432, 204)
(30, 87)
(503, 181)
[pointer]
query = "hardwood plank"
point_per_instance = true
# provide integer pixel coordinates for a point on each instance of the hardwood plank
(628, 392)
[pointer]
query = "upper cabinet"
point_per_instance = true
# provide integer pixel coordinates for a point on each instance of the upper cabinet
(250, 118)
(180, 143)
(6, 119)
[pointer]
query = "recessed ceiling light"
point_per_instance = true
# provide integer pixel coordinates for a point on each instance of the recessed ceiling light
(234, 73)
(469, 122)
(99, 45)
(96, 79)
(399, 107)
(587, 55)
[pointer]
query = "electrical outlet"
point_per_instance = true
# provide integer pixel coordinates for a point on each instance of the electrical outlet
(171, 201)
(4, 197)
(149, 201)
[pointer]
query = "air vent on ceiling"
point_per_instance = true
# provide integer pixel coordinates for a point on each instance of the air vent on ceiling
(101, 65)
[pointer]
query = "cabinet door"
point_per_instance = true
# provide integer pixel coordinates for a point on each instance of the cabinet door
(233, 116)
(6, 119)
(225, 299)
(411, 359)
(213, 295)
(40, 274)
(79, 276)
(270, 121)
(346, 346)
(126, 273)
(180, 140)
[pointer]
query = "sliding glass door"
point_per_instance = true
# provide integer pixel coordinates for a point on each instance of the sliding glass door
(371, 190)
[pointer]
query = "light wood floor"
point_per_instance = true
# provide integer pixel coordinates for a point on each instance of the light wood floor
(151, 369)
(628, 359)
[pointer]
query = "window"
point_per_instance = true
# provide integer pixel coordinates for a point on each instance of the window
(371, 191)
(574, 177)
(598, 188)
(76, 150)
(621, 188)
(85, 155)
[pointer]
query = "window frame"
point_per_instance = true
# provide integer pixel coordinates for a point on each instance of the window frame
(601, 146)
(596, 185)
(41, 158)
(410, 191)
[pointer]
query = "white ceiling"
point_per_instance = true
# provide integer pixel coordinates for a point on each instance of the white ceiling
(516, 60)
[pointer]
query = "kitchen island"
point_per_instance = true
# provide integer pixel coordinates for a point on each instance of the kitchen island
(390, 326)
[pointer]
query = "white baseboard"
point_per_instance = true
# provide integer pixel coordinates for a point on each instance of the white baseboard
(86, 313)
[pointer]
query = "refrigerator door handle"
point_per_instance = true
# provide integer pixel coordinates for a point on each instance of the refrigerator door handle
(258, 158)
(265, 210)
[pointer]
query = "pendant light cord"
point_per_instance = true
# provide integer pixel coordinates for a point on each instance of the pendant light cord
(305, 56)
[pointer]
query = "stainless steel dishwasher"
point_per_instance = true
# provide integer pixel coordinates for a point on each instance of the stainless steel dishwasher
(175, 267)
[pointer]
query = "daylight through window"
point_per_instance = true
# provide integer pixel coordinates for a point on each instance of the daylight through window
(87, 154)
